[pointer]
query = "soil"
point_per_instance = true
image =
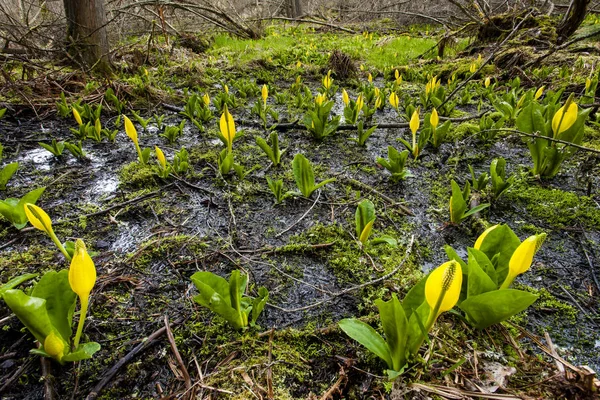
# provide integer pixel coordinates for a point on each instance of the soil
(148, 249)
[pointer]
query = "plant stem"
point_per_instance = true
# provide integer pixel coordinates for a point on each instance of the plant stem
(82, 314)
(59, 245)
(433, 314)
(139, 151)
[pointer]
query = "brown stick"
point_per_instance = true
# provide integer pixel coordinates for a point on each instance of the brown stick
(184, 371)
(48, 379)
(115, 368)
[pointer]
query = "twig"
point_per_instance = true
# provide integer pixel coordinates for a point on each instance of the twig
(353, 288)
(48, 379)
(16, 375)
(557, 48)
(113, 371)
(301, 218)
(550, 139)
(307, 21)
(184, 371)
(336, 386)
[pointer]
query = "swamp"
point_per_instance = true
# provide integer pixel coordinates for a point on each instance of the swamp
(299, 200)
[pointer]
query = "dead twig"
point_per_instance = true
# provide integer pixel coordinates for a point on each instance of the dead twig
(301, 218)
(184, 371)
(109, 375)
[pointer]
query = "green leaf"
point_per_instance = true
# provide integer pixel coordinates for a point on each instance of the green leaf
(493, 307)
(458, 206)
(6, 173)
(303, 174)
(84, 352)
(476, 209)
(16, 281)
(368, 337)
(414, 298)
(384, 240)
(479, 282)
(214, 293)
(364, 215)
(259, 303)
(504, 242)
(394, 323)
(31, 311)
(54, 287)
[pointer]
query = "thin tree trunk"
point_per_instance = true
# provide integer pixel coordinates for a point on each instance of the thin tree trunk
(87, 38)
(572, 19)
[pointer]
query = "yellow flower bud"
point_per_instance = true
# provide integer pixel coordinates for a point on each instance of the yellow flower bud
(434, 120)
(564, 119)
(161, 157)
(473, 68)
(130, 130)
(54, 346)
(522, 258)
(442, 288)
(38, 218)
(481, 237)
(227, 127)
(77, 116)
(370, 78)
(265, 94)
(226, 88)
(415, 122)
(82, 272)
(487, 82)
(206, 99)
(360, 101)
(345, 98)
(298, 64)
(588, 83)
(539, 92)
(394, 101)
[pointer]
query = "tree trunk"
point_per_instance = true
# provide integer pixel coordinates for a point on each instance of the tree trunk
(87, 38)
(294, 8)
(572, 19)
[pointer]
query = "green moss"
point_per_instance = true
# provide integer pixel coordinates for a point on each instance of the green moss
(135, 175)
(555, 207)
(462, 131)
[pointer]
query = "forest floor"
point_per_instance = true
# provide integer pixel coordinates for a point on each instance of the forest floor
(150, 234)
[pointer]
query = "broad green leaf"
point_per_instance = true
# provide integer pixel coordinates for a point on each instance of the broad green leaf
(504, 242)
(493, 307)
(384, 240)
(414, 298)
(393, 321)
(16, 281)
(84, 352)
(259, 303)
(6, 173)
(303, 173)
(479, 281)
(214, 294)
(414, 329)
(364, 215)
(458, 206)
(214, 281)
(485, 264)
(368, 337)
(31, 311)
(54, 287)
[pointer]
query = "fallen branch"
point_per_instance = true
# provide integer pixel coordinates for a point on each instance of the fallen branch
(487, 60)
(184, 371)
(301, 218)
(113, 371)
(306, 21)
(533, 135)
